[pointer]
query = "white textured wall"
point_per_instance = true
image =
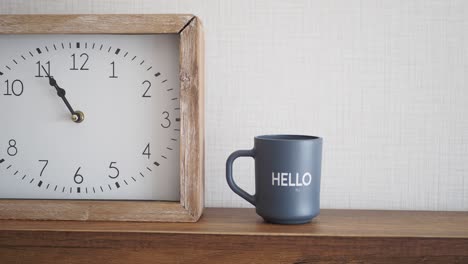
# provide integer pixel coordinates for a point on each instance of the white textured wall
(384, 82)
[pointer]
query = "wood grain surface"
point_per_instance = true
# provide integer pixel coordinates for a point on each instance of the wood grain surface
(93, 24)
(240, 236)
(192, 112)
(192, 137)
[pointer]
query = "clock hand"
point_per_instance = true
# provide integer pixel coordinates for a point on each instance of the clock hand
(77, 116)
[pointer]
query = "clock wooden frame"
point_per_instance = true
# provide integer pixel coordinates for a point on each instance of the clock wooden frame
(191, 74)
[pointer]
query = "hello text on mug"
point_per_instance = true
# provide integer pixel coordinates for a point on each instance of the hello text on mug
(288, 179)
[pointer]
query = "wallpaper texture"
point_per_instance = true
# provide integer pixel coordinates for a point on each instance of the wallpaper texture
(383, 82)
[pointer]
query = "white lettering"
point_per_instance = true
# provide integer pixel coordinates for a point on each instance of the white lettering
(290, 183)
(297, 180)
(275, 179)
(286, 179)
(307, 179)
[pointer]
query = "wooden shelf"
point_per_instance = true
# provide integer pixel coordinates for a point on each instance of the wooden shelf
(240, 236)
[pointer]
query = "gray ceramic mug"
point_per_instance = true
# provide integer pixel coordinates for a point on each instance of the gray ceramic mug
(287, 177)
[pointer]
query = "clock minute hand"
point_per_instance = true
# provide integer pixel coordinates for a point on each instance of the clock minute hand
(77, 116)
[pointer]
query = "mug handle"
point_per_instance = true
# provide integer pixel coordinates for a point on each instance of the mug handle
(240, 153)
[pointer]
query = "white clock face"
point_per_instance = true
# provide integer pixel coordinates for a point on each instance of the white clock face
(89, 117)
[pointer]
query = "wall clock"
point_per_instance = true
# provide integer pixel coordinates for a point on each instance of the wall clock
(102, 117)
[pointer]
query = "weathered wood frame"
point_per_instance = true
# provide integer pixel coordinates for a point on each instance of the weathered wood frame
(191, 75)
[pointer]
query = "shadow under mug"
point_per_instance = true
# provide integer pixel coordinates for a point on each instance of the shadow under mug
(287, 177)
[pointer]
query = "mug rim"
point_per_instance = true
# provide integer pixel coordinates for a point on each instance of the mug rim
(287, 137)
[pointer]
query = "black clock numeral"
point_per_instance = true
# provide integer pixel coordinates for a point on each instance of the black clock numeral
(147, 152)
(111, 166)
(15, 89)
(168, 123)
(12, 149)
(83, 66)
(78, 178)
(146, 95)
(113, 71)
(40, 69)
(46, 162)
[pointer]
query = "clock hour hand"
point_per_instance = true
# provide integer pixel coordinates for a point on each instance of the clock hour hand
(77, 116)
